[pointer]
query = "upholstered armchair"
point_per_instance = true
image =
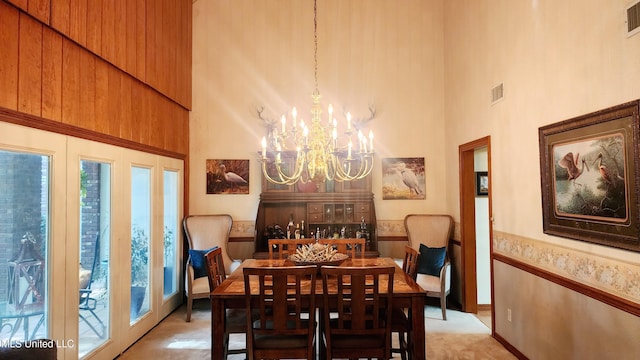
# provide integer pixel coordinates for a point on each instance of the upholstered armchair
(204, 232)
(430, 234)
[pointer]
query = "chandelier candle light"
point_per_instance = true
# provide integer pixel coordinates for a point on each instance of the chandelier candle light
(319, 153)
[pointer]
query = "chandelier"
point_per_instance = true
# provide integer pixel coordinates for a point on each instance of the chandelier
(305, 152)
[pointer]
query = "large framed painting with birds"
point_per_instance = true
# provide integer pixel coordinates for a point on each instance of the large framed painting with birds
(403, 178)
(589, 168)
(227, 176)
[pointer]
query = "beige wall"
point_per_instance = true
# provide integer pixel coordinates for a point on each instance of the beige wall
(428, 67)
(557, 60)
(550, 322)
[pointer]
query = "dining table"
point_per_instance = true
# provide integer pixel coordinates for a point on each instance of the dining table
(230, 295)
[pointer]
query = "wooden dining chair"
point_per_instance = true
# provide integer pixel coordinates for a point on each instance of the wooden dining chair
(410, 262)
(357, 312)
(235, 319)
(285, 247)
(401, 318)
(351, 247)
(284, 298)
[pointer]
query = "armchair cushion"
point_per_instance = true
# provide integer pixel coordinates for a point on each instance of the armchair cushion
(431, 260)
(198, 262)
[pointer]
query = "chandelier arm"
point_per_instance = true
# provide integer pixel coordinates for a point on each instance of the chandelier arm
(284, 178)
(366, 165)
(297, 173)
(341, 174)
(330, 173)
(272, 180)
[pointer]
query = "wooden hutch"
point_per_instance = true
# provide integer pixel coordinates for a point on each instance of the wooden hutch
(334, 209)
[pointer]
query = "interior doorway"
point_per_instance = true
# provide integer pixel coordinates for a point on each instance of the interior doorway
(476, 226)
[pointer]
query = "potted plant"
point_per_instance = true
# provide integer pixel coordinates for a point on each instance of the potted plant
(169, 244)
(139, 268)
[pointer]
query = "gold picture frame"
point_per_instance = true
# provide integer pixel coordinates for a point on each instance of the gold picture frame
(589, 177)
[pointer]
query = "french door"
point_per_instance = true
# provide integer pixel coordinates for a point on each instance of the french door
(33, 226)
(105, 221)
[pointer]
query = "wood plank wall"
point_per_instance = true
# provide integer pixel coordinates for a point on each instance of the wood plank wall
(121, 68)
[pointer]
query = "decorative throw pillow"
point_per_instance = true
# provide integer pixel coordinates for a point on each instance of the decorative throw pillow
(431, 260)
(198, 262)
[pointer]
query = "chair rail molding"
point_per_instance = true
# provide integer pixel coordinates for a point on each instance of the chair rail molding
(391, 228)
(243, 229)
(613, 276)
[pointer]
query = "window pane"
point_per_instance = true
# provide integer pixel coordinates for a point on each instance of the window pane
(95, 215)
(24, 240)
(170, 231)
(140, 231)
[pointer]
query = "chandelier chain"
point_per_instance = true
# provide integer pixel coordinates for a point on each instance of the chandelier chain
(315, 43)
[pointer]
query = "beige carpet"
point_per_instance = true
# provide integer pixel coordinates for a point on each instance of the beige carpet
(462, 336)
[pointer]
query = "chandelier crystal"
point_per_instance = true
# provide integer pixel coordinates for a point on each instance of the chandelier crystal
(315, 152)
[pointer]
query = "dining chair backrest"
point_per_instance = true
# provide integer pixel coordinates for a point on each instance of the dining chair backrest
(362, 301)
(432, 230)
(410, 262)
(215, 268)
(285, 327)
(235, 321)
(351, 247)
(285, 247)
(206, 231)
(401, 316)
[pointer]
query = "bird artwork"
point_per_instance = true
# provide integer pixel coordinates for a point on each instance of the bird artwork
(232, 179)
(571, 165)
(409, 178)
(227, 176)
(604, 171)
(403, 178)
(582, 192)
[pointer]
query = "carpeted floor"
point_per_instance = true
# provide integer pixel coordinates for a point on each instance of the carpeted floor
(462, 336)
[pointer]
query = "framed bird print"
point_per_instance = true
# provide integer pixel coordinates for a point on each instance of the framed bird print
(482, 183)
(403, 179)
(227, 176)
(590, 175)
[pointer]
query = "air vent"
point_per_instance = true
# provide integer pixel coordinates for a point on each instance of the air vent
(633, 18)
(497, 93)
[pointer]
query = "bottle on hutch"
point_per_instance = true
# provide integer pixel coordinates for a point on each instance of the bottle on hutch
(364, 233)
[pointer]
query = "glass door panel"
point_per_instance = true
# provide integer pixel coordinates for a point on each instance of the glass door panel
(140, 244)
(94, 250)
(24, 240)
(170, 244)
